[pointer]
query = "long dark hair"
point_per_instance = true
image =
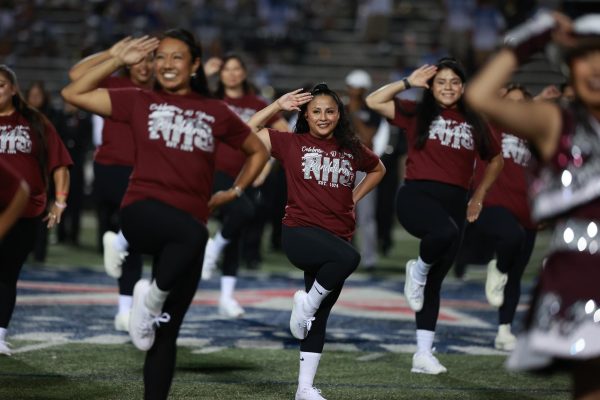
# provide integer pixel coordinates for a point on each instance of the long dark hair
(37, 121)
(198, 82)
(246, 86)
(428, 110)
(343, 133)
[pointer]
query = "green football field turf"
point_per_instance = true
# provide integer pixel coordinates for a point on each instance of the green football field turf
(86, 371)
(114, 372)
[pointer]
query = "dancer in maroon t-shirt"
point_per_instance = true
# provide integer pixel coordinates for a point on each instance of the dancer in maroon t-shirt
(13, 197)
(30, 145)
(562, 329)
(234, 88)
(164, 211)
(444, 139)
(505, 223)
(321, 160)
(113, 163)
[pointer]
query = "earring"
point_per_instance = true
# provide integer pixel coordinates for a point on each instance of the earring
(193, 75)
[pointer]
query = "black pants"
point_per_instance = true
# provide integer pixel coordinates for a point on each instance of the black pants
(176, 241)
(513, 246)
(435, 213)
(325, 258)
(14, 248)
(110, 185)
(235, 217)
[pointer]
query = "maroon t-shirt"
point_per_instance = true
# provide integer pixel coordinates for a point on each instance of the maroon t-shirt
(449, 154)
(117, 139)
(510, 188)
(230, 160)
(174, 140)
(320, 178)
(10, 181)
(19, 147)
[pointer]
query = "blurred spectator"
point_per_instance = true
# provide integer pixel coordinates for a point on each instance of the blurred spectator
(75, 129)
(488, 25)
(373, 19)
(37, 96)
(459, 27)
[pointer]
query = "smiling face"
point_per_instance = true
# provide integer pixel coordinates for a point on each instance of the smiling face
(141, 73)
(232, 74)
(173, 66)
(585, 70)
(7, 91)
(322, 115)
(447, 88)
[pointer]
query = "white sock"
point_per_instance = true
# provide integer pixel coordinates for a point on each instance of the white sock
(309, 362)
(2, 334)
(227, 286)
(125, 303)
(155, 299)
(424, 340)
(219, 242)
(316, 295)
(121, 243)
(420, 271)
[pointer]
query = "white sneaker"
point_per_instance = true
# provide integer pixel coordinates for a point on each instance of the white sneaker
(427, 363)
(309, 393)
(230, 308)
(113, 258)
(122, 321)
(300, 324)
(211, 256)
(413, 291)
(143, 324)
(4, 349)
(505, 340)
(494, 285)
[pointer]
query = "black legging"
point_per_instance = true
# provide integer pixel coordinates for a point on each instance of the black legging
(435, 213)
(235, 216)
(110, 184)
(513, 245)
(14, 248)
(176, 241)
(325, 258)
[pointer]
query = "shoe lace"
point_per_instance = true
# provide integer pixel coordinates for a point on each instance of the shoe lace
(153, 323)
(307, 323)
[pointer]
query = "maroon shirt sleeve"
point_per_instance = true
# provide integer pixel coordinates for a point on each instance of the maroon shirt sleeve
(369, 160)
(279, 144)
(495, 142)
(123, 102)
(58, 155)
(402, 113)
(236, 131)
(9, 182)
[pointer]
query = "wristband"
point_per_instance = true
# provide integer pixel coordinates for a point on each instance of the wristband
(61, 194)
(407, 84)
(238, 191)
(531, 36)
(60, 205)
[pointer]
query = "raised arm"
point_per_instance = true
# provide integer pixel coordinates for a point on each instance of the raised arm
(538, 122)
(288, 102)
(84, 92)
(369, 182)
(83, 66)
(382, 100)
